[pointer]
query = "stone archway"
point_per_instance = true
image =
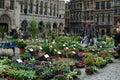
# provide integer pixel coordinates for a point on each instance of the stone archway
(54, 25)
(6, 22)
(41, 26)
(24, 25)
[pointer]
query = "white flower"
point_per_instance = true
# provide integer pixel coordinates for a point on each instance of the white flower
(74, 45)
(51, 46)
(64, 45)
(46, 55)
(36, 39)
(55, 50)
(46, 40)
(31, 49)
(40, 48)
(59, 52)
(53, 42)
(73, 52)
(100, 46)
(66, 48)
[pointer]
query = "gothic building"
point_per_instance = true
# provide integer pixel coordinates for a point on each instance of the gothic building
(19, 13)
(74, 15)
(100, 14)
(104, 17)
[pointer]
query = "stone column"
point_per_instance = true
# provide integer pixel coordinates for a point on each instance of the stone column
(17, 14)
(34, 6)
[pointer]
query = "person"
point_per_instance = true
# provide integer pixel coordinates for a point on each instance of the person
(116, 37)
(90, 32)
(85, 41)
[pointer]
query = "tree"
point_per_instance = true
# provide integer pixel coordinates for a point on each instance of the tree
(47, 28)
(33, 28)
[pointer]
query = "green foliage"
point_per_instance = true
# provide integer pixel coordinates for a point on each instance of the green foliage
(60, 77)
(22, 74)
(25, 56)
(89, 60)
(2, 32)
(34, 47)
(47, 28)
(44, 72)
(33, 28)
(91, 70)
(48, 25)
(21, 44)
(78, 71)
(32, 61)
(109, 59)
(3, 68)
(20, 66)
(100, 62)
(5, 61)
(72, 75)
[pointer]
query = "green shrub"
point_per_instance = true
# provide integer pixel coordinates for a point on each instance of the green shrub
(22, 74)
(60, 77)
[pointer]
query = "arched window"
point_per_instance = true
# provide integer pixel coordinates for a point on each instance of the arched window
(41, 26)
(12, 4)
(54, 25)
(46, 8)
(37, 4)
(1, 3)
(31, 6)
(41, 7)
(50, 9)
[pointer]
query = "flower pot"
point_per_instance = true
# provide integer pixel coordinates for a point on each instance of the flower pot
(22, 50)
(89, 70)
(9, 78)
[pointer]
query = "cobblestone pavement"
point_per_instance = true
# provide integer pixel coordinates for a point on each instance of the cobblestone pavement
(110, 72)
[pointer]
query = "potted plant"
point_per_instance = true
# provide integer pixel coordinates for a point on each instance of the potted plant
(89, 70)
(60, 77)
(100, 62)
(21, 44)
(89, 63)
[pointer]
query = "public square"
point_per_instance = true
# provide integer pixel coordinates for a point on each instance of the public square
(59, 39)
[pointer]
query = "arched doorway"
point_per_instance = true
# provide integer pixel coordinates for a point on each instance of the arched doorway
(54, 25)
(24, 25)
(41, 26)
(5, 22)
(102, 32)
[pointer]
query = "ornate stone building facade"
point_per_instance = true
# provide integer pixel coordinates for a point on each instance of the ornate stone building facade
(73, 15)
(104, 17)
(17, 13)
(101, 14)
